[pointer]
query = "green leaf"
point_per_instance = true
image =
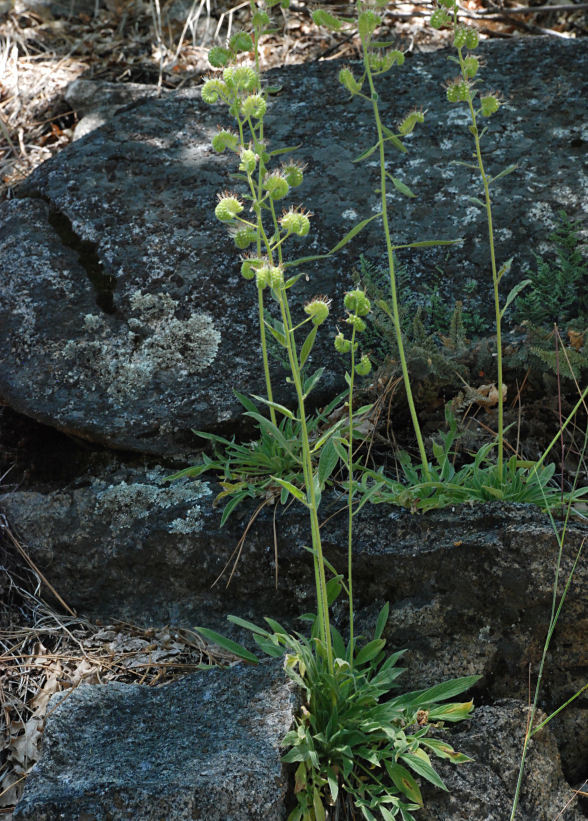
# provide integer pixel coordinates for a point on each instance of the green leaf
(227, 644)
(281, 408)
(296, 492)
(477, 201)
(423, 768)
(248, 625)
(382, 620)
(513, 294)
(232, 504)
(404, 781)
(427, 243)
(311, 381)
(367, 153)
(317, 804)
(347, 238)
(440, 692)
(370, 651)
(333, 784)
(393, 138)
(328, 461)
(307, 345)
(503, 173)
(286, 150)
(281, 339)
(504, 269)
(400, 186)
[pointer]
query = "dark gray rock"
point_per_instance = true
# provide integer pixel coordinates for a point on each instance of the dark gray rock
(470, 588)
(207, 746)
(483, 790)
(122, 314)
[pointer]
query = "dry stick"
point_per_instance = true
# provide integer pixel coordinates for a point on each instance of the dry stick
(4, 526)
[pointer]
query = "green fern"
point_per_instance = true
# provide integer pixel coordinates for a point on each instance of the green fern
(557, 293)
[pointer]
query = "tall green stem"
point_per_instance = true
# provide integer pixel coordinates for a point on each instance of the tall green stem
(350, 503)
(319, 562)
(495, 279)
(391, 268)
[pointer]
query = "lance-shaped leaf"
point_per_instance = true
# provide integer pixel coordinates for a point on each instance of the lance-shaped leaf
(393, 138)
(295, 491)
(513, 294)
(280, 408)
(504, 269)
(503, 173)
(328, 461)
(227, 644)
(307, 346)
(400, 186)
(342, 242)
(405, 782)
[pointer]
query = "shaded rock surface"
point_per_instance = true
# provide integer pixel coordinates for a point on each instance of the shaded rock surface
(122, 315)
(484, 788)
(203, 747)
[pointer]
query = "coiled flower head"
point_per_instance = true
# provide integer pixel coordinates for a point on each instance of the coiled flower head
(364, 366)
(356, 302)
(472, 39)
(225, 139)
(440, 18)
(412, 118)
(248, 160)
(471, 65)
(347, 79)
(342, 345)
(457, 91)
(460, 37)
(321, 17)
(318, 309)
(489, 104)
(367, 22)
(254, 106)
(213, 90)
(228, 207)
(276, 277)
(277, 185)
(249, 266)
(294, 173)
(244, 236)
(296, 222)
(241, 78)
(219, 57)
(356, 322)
(241, 42)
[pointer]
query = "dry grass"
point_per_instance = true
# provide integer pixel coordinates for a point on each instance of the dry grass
(46, 650)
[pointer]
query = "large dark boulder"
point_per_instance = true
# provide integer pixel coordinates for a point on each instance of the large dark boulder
(123, 318)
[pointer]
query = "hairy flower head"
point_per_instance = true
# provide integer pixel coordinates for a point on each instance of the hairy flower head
(367, 22)
(241, 78)
(318, 309)
(225, 139)
(347, 79)
(213, 90)
(471, 65)
(294, 173)
(364, 366)
(244, 236)
(219, 57)
(356, 302)
(356, 322)
(460, 36)
(249, 266)
(228, 207)
(296, 221)
(342, 345)
(457, 90)
(248, 160)
(440, 18)
(241, 42)
(489, 104)
(277, 185)
(472, 39)
(254, 106)
(412, 118)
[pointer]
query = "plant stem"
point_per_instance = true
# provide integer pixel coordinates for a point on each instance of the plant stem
(495, 279)
(391, 268)
(349, 503)
(319, 563)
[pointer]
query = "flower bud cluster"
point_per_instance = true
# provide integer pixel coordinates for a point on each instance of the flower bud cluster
(358, 306)
(293, 173)
(267, 275)
(248, 160)
(382, 61)
(367, 22)
(244, 236)
(489, 104)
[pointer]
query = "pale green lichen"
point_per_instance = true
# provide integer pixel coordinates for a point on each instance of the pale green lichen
(157, 343)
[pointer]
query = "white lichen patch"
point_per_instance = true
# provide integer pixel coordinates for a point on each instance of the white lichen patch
(125, 504)
(349, 214)
(157, 343)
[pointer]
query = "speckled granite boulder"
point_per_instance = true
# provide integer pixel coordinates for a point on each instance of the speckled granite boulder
(123, 318)
(207, 746)
(483, 790)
